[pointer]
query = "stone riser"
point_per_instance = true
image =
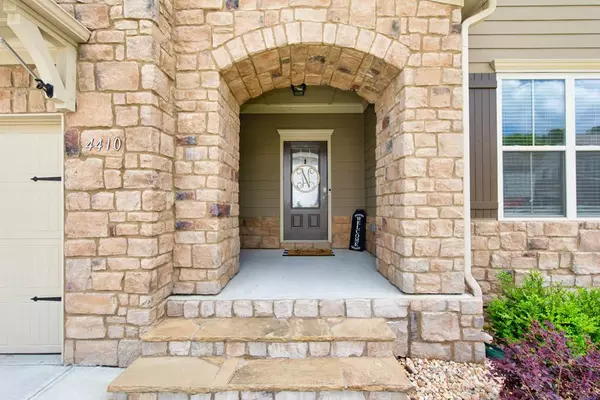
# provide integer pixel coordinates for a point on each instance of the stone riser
(301, 308)
(438, 327)
(269, 350)
(345, 395)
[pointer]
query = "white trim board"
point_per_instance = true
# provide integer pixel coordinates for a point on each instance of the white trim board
(357, 108)
(31, 119)
(304, 135)
(53, 18)
(548, 65)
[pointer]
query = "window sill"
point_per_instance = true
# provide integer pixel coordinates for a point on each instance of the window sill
(547, 219)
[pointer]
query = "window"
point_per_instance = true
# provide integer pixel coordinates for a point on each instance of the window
(550, 147)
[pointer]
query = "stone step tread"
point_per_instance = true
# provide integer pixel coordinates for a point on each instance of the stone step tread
(214, 374)
(271, 330)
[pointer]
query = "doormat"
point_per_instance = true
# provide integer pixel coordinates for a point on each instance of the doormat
(308, 252)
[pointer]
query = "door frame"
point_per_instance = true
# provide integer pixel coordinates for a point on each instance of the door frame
(304, 135)
(47, 122)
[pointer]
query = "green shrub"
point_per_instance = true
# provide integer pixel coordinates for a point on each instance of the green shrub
(576, 312)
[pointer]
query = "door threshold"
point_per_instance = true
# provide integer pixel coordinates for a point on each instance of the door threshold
(305, 241)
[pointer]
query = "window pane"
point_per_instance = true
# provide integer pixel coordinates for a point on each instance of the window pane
(534, 184)
(517, 118)
(533, 112)
(549, 106)
(306, 176)
(587, 112)
(588, 183)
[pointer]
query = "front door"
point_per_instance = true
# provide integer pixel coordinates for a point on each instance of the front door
(305, 191)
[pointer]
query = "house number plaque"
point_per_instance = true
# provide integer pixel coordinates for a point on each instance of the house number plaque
(306, 178)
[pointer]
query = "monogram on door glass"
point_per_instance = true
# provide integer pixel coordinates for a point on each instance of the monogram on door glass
(306, 177)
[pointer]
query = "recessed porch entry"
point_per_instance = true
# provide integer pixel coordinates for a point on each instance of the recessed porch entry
(267, 275)
(306, 165)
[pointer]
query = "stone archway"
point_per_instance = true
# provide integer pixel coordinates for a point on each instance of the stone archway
(407, 63)
(341, 56)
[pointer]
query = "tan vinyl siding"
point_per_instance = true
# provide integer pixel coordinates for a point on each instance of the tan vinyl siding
(260, 161)
(536, 29)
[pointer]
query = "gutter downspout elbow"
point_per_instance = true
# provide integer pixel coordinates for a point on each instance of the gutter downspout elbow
(472, 20)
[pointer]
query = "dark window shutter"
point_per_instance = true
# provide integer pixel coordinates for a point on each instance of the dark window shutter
(483, 135)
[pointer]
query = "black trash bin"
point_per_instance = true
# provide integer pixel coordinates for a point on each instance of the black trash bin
(358, 235)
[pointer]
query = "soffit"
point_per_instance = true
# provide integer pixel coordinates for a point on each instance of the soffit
(317, 99)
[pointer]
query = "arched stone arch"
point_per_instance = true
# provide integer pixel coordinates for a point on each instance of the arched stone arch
(339, 55)
(404, 56)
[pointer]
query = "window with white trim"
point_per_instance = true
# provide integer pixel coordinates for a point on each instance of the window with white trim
(549, 146)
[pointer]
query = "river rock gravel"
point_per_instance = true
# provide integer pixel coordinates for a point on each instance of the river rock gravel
(446, 380)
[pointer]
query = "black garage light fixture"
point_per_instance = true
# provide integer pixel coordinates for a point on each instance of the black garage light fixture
(299, 90)
(46, 87)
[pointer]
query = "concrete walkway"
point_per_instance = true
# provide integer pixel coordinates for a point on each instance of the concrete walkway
(42, 377)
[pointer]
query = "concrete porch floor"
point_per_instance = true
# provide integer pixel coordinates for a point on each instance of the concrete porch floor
(266, 274)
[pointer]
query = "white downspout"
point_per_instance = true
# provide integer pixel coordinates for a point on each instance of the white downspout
(472, 20)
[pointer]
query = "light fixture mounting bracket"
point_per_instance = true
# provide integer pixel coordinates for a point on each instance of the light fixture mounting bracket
(299, 90)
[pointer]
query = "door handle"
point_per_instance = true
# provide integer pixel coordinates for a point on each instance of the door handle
(47, 178)
(36, 299)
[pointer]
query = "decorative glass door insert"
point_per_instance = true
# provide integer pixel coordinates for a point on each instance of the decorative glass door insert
(306, 192)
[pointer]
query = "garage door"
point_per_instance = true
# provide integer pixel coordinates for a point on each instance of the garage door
(30, 236)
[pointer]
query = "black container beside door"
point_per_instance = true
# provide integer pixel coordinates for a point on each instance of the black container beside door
(358, 234)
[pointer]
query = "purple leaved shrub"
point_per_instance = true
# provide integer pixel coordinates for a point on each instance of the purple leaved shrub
(541, 366)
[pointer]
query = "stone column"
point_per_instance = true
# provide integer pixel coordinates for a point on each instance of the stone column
(119, 220)
(207, 158)
(420, 157)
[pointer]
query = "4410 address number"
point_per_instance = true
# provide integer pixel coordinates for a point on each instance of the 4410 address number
(109, 144)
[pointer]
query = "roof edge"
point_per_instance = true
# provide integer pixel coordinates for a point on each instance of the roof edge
(58, 18)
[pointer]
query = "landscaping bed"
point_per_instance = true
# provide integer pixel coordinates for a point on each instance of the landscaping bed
(546, 347)
(447, 380)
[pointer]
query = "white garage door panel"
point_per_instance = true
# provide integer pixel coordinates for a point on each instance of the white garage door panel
(30, 240)
(31, 266)
(33, 209)
(35, 327)
(32, 212)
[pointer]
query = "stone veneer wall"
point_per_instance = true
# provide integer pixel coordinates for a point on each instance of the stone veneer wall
(371, 242)
(206, 179)
(564, 252)
(162, 214)
(260, 233)
(404, 56)
(264, 233)
(427, 327)
(370, 145)
(18, 93)
(118, 205)
(419, 153)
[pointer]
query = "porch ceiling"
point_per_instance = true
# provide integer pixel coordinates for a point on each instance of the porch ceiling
(317, 99)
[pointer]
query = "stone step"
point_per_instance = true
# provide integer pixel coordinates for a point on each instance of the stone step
(270, 338)
(217, 378)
